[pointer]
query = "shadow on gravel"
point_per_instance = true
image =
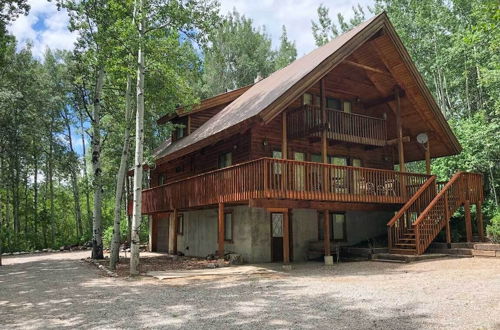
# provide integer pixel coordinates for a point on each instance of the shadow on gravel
(69, 294)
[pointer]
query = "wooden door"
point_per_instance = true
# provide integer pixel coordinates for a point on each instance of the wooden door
(276, 237)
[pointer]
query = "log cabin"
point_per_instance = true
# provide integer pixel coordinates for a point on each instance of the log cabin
(314, 154)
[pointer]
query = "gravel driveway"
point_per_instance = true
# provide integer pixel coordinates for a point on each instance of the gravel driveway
(58, 291)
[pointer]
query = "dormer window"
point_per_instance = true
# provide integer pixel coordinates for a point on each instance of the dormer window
(180, 129)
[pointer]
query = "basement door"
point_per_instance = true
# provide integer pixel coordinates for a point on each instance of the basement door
(277, 237)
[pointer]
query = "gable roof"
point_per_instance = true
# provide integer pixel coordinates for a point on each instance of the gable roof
(266, 99)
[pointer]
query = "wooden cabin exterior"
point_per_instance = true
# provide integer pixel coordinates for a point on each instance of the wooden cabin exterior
(307, 156)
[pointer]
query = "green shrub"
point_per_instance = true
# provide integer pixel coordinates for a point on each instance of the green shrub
(493, 229)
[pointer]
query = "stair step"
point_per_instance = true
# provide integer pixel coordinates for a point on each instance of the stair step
(412, 245)
(403, 251)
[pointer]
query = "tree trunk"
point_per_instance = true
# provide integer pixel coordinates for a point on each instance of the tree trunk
(86, 178)
(97, 248)
(51, 187)
(139, 140)
(35, 200)
(74, 179)
(129, 217)
(120, 177)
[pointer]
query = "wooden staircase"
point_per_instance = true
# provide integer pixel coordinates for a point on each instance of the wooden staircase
(429, 210)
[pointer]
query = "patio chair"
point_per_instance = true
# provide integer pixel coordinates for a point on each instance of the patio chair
(368, 188)
(388, 187)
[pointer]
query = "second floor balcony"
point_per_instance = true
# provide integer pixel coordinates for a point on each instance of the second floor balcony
(307, 121)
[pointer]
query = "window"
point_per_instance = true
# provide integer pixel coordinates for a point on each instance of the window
(179, 132)
(228, 226)
(225, 160)
(162, 179)
(337, 226)
(180, 224)
(347, 106)
(307, 99)
(316, 158)
(333, 103)
(277, 155)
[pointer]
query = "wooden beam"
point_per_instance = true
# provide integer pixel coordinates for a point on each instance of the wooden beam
(171, 234)
(284, 141)
(468, 223)
(176, 226)
(373, 103)
(326, 233)
(479, 219)
(447, 216)
(427, 158)
(399, 132)
(324, 141)
(220, 240)
(396, 141)
(367, 68)
(279, 205)
(286, 237)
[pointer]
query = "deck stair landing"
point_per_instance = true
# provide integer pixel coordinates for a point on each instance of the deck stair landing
(428, 211)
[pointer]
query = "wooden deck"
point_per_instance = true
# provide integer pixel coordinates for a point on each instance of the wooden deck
(268, 178)
(340, 126)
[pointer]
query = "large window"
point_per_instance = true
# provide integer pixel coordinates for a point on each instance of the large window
(225, 160)
(333, 103)
(337, 226)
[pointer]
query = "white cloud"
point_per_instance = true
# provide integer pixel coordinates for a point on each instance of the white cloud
(296, 15)
(45, 27)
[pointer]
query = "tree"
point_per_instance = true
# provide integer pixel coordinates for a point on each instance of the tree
(159, 21)
(287, 53)
(238, 53)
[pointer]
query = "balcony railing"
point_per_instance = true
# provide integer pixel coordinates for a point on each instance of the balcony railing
(342, 126)
(283, 179)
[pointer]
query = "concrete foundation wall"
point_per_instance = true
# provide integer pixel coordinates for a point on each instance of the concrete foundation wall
(252, 232)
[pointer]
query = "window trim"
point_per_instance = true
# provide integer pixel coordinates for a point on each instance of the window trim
(219, 159)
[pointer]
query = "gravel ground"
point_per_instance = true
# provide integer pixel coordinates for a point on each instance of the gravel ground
(59, 291)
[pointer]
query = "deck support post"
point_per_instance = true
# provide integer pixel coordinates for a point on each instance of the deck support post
(220, 236)
(286, 237)
(447, 216)
(175, 229)
(284, 151)
(324, 142)
(153, 233)
(427, 158)
(479, 219)
(401, 154)
(172, 246)
(326, 238)
(468, 223)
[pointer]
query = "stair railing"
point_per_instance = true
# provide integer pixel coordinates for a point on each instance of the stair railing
(403, 220)
(462, 186)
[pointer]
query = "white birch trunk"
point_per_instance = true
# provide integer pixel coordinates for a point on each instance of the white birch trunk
(138, 159)
(120, 178)
(97, 249)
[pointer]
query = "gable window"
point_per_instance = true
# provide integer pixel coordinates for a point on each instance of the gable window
(307, 99)
(180, 128)
(333, 103)
(180, 224)
(337, 227)
(225, 160)
(228, 226)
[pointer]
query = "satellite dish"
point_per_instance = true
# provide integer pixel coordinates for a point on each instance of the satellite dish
(422, 138)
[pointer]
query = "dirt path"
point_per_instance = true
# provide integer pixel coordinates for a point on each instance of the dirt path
(59, 291)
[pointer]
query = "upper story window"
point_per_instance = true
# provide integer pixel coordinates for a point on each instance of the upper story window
(162, 179)
(333, 103)
(307, 99)
(225, 160)
(180, 130)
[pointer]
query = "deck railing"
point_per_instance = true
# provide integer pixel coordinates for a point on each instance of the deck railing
(342, 126)
(285, 179)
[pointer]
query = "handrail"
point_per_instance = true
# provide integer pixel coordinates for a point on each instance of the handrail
(283, 178)
(411, 200)
(443, 191)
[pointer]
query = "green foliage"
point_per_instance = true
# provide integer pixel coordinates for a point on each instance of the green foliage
(493, 229)
(238, 53)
